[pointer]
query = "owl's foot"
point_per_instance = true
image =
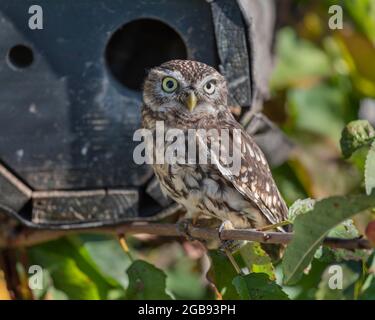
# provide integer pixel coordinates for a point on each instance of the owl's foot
(229, 246)
(226, 245)
(184, 226)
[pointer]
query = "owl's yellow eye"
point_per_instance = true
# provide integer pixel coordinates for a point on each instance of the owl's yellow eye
(209, 87)
(169, 84)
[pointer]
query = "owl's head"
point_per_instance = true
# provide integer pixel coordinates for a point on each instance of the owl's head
(186, 86)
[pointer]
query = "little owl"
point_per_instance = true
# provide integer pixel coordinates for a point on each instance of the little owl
(187, 95)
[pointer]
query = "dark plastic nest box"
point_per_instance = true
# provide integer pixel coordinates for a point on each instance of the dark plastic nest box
(70, 97)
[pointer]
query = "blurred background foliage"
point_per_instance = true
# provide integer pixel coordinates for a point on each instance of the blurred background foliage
(322, 80)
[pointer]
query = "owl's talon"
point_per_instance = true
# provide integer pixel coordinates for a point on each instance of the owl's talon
(226, 225)
(225, 245)
(266, 236)
(231, 245)
(228, 245)
(184, 226)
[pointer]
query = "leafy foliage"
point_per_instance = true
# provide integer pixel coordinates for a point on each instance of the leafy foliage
(311, 228)
(257, 260)
(221, 275)
(146, 282)
(355, 135)
(72, 270)
(300, 207)
(258, 286)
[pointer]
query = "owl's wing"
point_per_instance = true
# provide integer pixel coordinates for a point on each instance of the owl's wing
(252, 177)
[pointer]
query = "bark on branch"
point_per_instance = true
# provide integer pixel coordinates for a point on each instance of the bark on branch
(28, 237)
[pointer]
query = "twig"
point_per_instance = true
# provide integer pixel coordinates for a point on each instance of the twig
(8, 262)
(125, 247)
(232, 261)
(28, 237)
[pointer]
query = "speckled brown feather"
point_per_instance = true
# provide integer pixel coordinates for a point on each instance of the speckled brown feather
(191, 71)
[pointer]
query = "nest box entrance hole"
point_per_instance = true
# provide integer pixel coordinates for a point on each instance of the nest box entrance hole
(140, 45)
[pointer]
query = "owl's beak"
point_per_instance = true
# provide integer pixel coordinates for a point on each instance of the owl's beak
(191, 101)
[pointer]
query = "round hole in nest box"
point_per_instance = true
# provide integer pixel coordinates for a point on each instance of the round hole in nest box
(20, 56)
(140, 45)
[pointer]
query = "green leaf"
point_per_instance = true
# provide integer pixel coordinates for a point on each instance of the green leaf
(104, 250)
(311, 228)
(66, 275)
(345, 230)
(257, 260)
(370, 169)
(349, 277)
(258, 286)
(308, 285)
(72, 269)
(369, 292)
(183, 282)
(221, 274)
(146, 282)
(368, 288)
(300, 207)
(358, 159)
(355, 135)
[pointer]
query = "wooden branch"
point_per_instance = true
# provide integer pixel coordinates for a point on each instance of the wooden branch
(28, 237)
